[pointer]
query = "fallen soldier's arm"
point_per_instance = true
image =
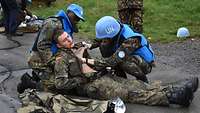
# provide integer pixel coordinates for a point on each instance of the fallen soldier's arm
(103, 62)
(63, 82)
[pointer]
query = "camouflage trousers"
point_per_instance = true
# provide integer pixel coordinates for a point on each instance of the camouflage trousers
(131, 12)
(135, 66)
(108, 87)
(133, 91)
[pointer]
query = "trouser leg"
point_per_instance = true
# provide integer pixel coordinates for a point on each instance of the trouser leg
(131, 12)
(6, 22)
(6, 16)
(13, 21)
(136, 67)
(132, 91)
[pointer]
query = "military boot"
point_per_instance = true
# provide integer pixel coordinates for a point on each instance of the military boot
(26, 82)
(192, 83)
(35, 76)
(181, 95)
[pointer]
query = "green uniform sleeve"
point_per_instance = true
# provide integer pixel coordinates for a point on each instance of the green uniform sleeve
(64, 83)
(107, 62)
(50, 31)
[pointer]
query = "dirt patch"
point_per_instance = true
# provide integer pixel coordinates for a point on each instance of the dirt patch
(185, 54)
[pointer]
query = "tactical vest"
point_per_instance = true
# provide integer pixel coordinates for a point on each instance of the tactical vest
(145, 51)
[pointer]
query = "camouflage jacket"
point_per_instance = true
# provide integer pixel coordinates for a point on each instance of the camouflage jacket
(64, 73)
(40, 58)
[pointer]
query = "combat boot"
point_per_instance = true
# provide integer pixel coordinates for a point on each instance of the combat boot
(26, 82)
(192, 83)
(181, 95)
(35, 76)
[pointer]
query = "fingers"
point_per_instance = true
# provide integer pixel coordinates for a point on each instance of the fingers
(87, 45)
(79, 52)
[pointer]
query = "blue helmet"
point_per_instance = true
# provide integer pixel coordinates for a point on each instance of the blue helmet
(183, 32)
(29, 1)
(107, 27)
(77, 10)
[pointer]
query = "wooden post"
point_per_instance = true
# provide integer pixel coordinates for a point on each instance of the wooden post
(131, 12)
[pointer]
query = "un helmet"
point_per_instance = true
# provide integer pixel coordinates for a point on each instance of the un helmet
(183, 32)
(77, 10)
(107, 27)
(29, 1)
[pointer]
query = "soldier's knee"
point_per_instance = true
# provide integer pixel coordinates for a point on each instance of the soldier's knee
(143, 78)
(143, 65)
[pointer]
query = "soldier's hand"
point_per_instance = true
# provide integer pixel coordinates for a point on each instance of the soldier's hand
(87, 45)
(79, 52)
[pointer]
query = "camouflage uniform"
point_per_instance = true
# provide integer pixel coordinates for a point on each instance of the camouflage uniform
(133, 91)
(54, 73)
(131, 64)
(40, 58)
(108, 85)
(131, 12)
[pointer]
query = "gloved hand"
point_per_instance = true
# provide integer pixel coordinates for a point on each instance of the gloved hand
(79, 52)
(87, 44)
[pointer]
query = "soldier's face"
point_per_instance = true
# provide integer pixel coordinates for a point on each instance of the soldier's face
(74, 21)
(106, 47)
(65, 41)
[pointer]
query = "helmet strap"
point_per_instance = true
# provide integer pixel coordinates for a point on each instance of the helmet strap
(119, 35)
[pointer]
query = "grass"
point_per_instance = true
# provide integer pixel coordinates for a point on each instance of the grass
(162, 18)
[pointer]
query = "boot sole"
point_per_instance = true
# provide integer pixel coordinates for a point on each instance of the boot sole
(188, 97)
(197, 84)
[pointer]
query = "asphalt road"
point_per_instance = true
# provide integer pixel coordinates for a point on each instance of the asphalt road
(171, 65)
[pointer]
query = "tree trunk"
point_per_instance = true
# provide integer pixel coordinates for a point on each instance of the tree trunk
(131, 12)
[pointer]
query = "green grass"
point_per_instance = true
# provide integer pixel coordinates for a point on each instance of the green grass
(162, 18)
